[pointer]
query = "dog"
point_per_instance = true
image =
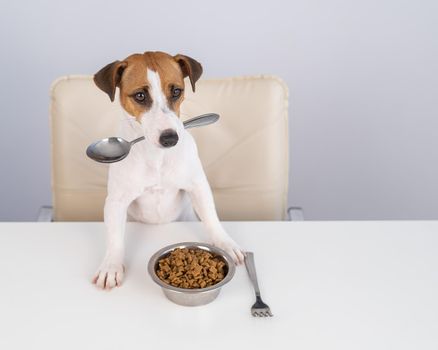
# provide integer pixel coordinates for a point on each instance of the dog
(162, 179)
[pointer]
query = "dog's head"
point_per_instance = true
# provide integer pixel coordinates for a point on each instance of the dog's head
(151, 90)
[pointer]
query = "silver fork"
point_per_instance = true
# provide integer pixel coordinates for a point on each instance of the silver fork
(259, 309)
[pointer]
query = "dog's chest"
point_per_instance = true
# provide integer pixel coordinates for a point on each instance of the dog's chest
(151, 169)
(166, 171)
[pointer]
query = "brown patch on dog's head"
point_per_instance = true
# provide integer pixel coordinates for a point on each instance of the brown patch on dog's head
(130, 75)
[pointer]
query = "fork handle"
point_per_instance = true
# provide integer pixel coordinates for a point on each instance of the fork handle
(250, 267)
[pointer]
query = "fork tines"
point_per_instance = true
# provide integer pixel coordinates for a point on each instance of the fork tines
(260, 309)
(260, 313)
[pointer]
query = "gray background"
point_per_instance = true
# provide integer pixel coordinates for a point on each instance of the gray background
(363, 80)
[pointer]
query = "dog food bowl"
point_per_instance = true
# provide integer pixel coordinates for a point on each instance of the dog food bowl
(196, 296)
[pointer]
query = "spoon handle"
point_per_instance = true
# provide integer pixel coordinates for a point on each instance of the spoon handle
(137, 140)
(201, 120)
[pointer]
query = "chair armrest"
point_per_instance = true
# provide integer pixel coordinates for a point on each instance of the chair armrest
(295, 214)
(45, 214)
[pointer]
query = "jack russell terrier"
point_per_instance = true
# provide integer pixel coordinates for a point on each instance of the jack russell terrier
(162, 179)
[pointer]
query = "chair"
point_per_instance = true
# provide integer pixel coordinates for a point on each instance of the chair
(245, 154)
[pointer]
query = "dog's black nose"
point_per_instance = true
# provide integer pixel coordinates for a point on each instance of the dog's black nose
(168, 138)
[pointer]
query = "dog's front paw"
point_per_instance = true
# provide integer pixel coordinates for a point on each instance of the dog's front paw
(231, 247)
(110, 274)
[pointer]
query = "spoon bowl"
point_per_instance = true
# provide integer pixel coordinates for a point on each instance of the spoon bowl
(109, 150)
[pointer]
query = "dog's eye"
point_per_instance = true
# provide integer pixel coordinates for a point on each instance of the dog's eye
(176, 92)
(140, 96)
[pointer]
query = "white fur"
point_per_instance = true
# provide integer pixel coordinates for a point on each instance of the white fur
(156, 185)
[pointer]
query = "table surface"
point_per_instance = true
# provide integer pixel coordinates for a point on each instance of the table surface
(330, 285)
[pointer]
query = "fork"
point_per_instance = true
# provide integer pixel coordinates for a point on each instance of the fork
(259, 309)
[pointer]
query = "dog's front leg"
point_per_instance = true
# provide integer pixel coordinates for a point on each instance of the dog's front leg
(111, 271)
(203, 203)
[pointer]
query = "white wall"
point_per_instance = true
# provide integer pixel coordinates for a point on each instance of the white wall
(363, 79)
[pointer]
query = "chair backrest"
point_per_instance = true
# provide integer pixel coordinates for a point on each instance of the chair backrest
(245, 154)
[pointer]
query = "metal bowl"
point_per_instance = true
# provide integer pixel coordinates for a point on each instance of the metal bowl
(196, 296)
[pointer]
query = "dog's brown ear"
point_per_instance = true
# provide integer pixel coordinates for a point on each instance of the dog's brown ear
(190, 68)
(108, 78)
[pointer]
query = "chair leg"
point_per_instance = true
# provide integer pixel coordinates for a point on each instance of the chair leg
(295, 214)
(45, 214)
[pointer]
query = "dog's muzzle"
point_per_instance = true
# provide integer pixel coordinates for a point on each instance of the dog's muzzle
(168, 138)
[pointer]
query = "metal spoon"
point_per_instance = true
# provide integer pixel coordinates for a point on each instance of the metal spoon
(114, 149)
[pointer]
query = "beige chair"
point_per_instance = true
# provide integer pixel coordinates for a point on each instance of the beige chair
(245, 154)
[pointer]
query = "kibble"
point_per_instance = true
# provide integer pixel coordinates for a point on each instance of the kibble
(191, 268)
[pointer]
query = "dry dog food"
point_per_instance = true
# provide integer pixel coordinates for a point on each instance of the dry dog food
(191, 268)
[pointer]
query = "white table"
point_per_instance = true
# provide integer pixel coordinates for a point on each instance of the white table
(330, 285)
